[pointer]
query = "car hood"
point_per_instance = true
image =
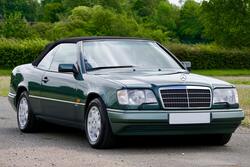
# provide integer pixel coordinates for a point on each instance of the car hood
(160, 78)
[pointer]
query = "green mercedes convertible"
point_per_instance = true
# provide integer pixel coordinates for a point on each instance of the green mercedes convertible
(112, 86)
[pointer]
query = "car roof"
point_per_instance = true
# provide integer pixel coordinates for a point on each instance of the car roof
(77, 39)
(50, 46)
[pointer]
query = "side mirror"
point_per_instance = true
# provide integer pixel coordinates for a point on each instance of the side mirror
(68, 68)
(187, 65)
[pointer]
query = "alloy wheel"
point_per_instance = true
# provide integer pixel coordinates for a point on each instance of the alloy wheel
(94, 124)
(23, 112)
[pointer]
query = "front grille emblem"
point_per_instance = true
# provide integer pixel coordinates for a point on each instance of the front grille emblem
(183, 77)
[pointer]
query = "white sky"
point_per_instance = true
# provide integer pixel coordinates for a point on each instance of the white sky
(176, 2)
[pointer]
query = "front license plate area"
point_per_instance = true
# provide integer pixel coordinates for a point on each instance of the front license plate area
(189, 118)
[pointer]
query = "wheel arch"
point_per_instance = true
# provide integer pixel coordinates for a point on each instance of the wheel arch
(20, 89)
(91, 96)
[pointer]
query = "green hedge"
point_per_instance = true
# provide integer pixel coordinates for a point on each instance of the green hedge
(15, 52)
(212, 56)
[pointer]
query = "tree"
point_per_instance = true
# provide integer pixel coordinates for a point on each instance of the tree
(190, 26)
(145, 8)
(97, 20)
(166, 16)
(28, 8)
(52, 11)
(115, 4)
(69, 4)
(15, 26)
(227, 21)
(41, 29)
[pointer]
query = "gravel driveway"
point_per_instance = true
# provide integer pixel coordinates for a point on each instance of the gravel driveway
(59, 146)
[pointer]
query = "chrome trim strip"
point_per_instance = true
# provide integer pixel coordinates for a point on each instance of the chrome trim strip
(185, 87)
(63, 101)
(177, 111)
(115, 110)
(11, 95)
(187, 98)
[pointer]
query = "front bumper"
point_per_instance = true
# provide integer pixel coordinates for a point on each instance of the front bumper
(12, 101)
(156, 122)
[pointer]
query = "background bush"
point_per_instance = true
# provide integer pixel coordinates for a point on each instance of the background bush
(212, 56)
(16, 52)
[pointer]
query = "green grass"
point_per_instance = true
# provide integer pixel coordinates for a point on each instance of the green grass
(5, 72)
(4, 85)
(244, 97)
(234, 72)
(240, 82)
(237, 80)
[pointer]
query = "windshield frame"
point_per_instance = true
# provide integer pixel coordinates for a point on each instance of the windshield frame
(82, 56)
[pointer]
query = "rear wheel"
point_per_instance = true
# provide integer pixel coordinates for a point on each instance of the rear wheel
(25, 118)
(97, 126)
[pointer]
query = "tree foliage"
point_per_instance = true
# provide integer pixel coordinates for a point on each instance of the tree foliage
(97, 20)
(28, 8)
(225, 22)
(15, 25)
(190, 26)
(145, 8)
(52, 11)
(166, 17)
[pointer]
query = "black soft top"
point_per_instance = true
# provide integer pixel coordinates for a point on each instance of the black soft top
(50, 46)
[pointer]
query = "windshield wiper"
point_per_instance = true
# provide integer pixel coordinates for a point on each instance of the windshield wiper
(108, 67)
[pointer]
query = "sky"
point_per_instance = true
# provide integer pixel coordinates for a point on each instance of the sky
(176, 2)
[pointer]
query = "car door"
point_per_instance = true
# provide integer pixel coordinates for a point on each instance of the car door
(58, 90)
(34, 83)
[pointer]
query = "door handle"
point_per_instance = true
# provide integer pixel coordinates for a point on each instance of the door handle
(45, 79)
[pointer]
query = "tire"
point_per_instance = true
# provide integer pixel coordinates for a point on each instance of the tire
(25, 118)
(97, 127)
(219, 139)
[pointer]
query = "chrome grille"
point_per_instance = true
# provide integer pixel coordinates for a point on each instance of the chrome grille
(179, 97)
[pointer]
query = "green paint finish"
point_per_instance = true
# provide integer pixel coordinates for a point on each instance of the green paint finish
(157, 122)
(165, 129)
(65, 96)
(105, 83)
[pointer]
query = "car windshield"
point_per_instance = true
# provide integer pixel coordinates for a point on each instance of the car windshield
(105, 54)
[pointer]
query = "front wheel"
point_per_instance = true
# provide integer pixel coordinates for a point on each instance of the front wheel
(97, 126)
(25, 117)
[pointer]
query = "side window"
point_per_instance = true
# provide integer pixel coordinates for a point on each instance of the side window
(46, 61)
(66, 54)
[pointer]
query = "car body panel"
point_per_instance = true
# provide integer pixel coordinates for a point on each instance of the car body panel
(159, 78)
(157, 122)
(57, 94)
(64, 98)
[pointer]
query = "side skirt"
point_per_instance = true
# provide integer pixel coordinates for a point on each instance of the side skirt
(61, 122)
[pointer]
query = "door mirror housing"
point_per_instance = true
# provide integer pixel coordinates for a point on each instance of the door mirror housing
(187, 65)
(67, 68)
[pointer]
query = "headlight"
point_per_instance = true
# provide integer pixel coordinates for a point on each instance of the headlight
(135, 96)
(227, 95)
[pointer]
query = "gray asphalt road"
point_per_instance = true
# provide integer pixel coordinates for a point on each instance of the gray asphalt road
(59, 146)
